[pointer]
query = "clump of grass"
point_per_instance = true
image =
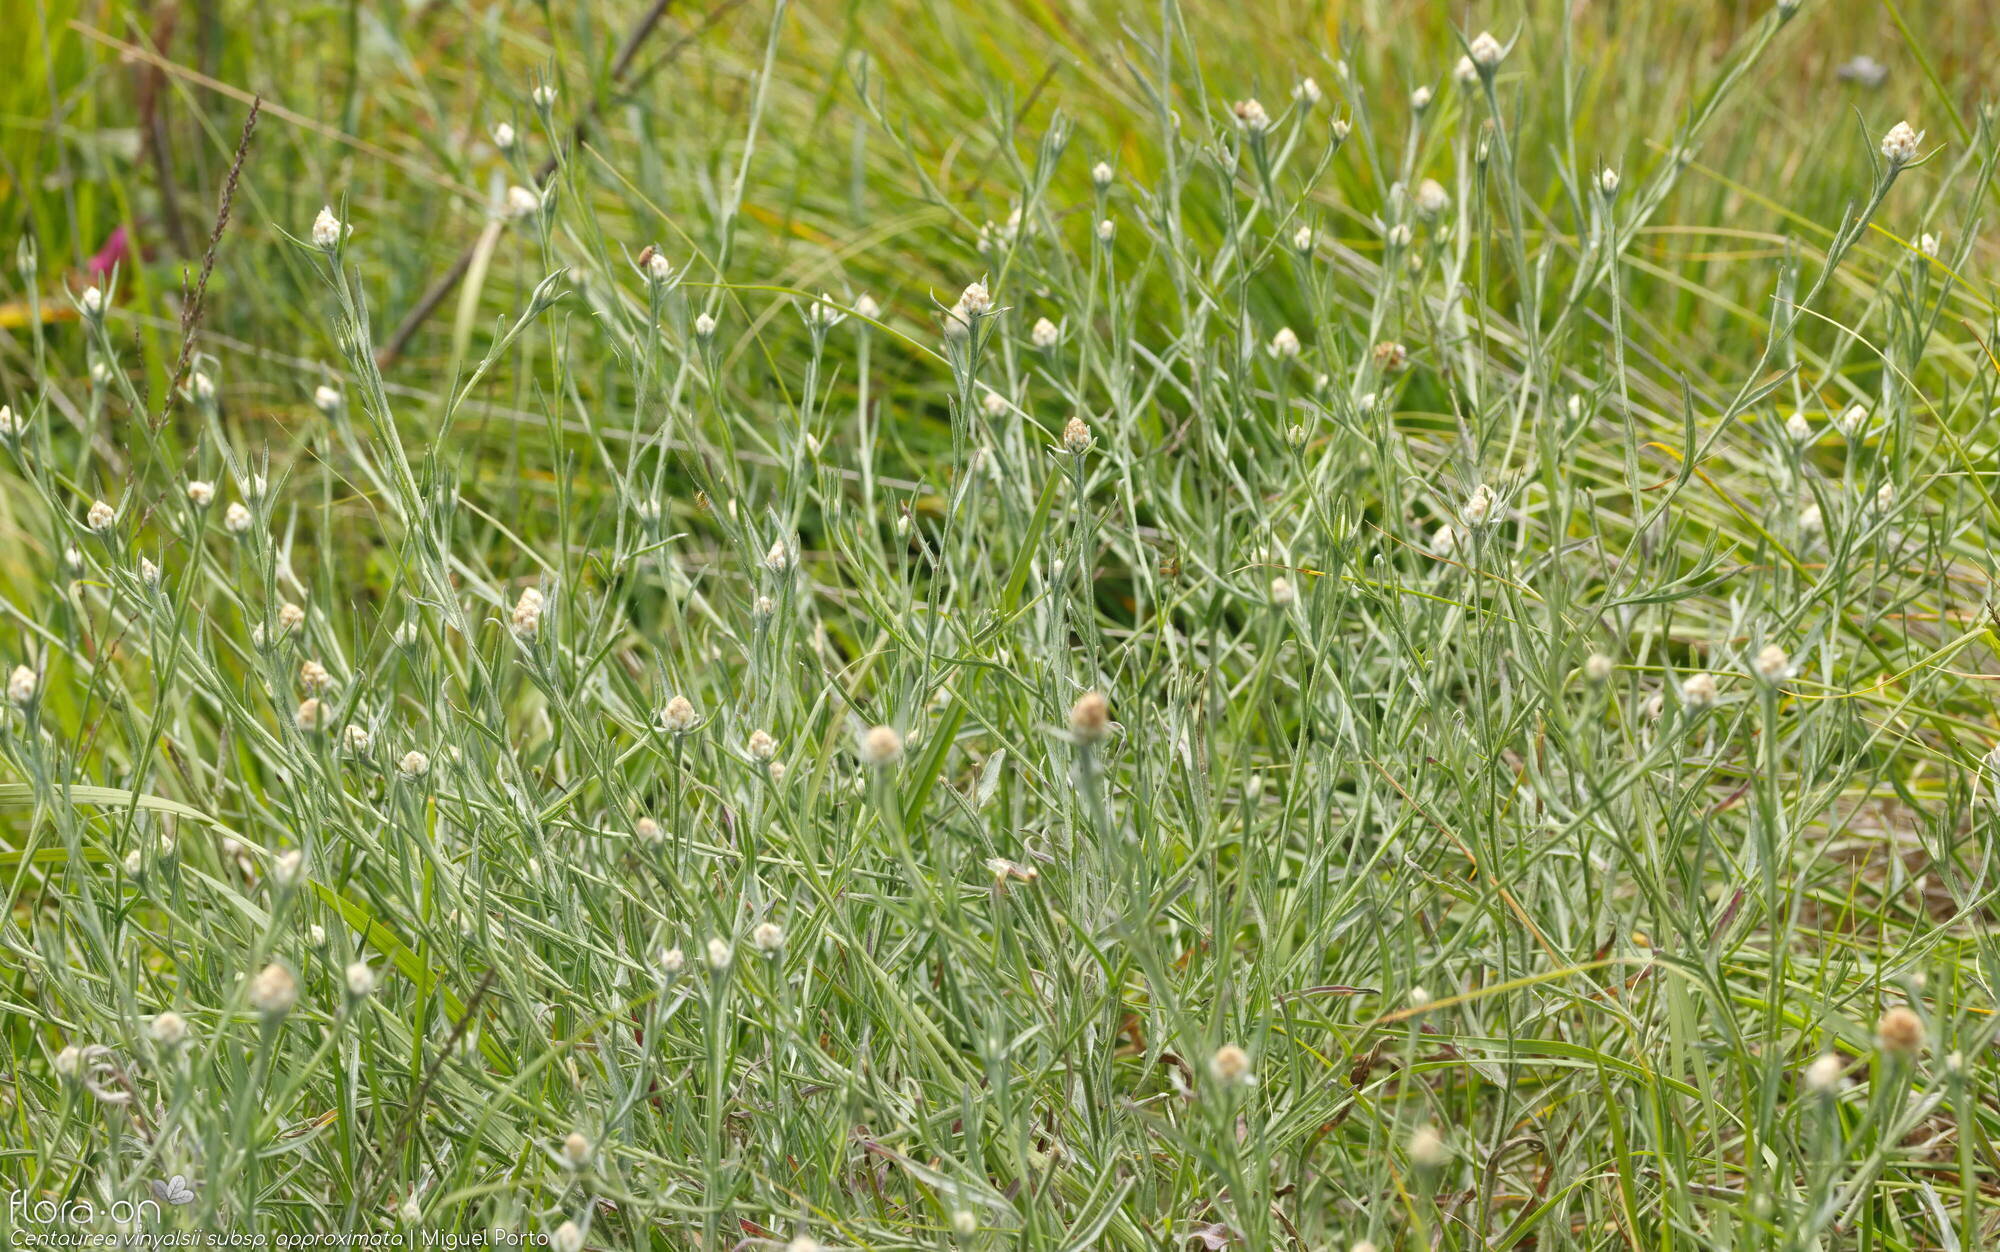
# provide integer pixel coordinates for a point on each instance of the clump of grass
(1261, 689)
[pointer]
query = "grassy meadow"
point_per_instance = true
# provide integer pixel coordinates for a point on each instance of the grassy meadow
(1054, 625)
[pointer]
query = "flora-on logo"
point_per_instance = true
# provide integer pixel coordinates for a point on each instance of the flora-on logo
(175, 1190)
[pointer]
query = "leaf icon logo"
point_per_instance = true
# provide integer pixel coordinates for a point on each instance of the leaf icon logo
(175, 1190)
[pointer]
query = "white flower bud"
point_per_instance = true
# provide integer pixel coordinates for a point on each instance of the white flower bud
(1772, 664)
(360, 980)
(678, 717)
(503, 137)
(1485, 50)
(168, 1029)
(1090, 716)
(1230, 1066)
(881, 745)
(327, 230)
(522, 202)
(1699, 691)
(1899, 146)
(273, 992)
(1251, 117)
(21, 685)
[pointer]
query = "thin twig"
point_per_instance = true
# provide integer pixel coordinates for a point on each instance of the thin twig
(191, 306)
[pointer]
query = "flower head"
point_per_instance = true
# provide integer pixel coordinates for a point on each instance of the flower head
(414, 764)
(522, 202)
(274, 991)
(168, 1029)
(1230, 1066)
(1250, 115)
(769, 937)
(1306, 92)
(1285, 344)
(328, 230)
(1431, 198)
(1478, 506)
(1699, 691)
(678, 717)
(1772, 664)
(21, 685)
(1900, 1032)
(309, 715)
(100, 517)
(1076, 437)
(881, 745)
(527, 617)
(1090, 716)
(719, 954)
(1899, 146)
(360, 980)
(1485, 50)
